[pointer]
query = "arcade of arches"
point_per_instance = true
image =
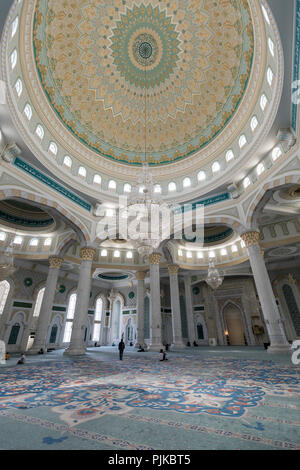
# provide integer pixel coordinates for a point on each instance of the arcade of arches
(222, 132)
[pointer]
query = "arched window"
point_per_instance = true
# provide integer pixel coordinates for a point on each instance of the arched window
(82, 171)
(39, 131)
(242, 141)
(28, 111)
(229, 155)
(265, 14)
(97, 179)
(172, 186)
(112, 185)
(68, 161)
(216, 167)
(14, 26)
(13, 59)
(98, 309)
(292, 306)
(19, 87)
(71, 306)
(201, 176)
(53, 148)
(276, 153)
(70, 317)
(4, 291)
(254, 123)
(129, 255)
(48, 242)
(246, 182)
(18, 240)
(14, 333)
(271, 46)
(260, 168)
(103, 253)
(263, 102)
(2, 236)
(127, 188)
(38, 303)
(270, 76)
(34, 242)
(157, 188)
(186, 182)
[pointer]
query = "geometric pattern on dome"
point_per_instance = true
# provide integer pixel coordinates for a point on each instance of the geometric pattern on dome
(91, 57)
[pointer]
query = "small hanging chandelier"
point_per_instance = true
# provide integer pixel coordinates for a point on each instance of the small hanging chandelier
(214, 279)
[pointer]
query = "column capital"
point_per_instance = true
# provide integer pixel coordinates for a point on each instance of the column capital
(250, 238)
(87, 254)
(55, 262)
(173, 269)
(154, 258)
(140, 275)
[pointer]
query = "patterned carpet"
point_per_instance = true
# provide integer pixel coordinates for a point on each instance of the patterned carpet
(210, 398)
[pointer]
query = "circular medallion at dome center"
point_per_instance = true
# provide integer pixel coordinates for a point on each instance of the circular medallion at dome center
(145, 50)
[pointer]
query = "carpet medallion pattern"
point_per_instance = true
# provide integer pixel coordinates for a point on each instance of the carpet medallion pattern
(85, 390)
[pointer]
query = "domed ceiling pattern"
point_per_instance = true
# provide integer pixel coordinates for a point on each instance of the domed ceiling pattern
(96, 60)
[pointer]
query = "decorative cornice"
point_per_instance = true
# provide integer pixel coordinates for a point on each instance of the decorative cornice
(154, 258)
(250, 238)
(87, 254)
(55, 262)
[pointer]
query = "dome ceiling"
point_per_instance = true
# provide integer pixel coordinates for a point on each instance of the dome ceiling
(96, 59)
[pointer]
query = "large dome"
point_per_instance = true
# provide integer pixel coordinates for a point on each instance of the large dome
(96, 59)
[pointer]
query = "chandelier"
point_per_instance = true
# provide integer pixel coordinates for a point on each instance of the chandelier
(214, 279)
(7, 262)
(144, 198)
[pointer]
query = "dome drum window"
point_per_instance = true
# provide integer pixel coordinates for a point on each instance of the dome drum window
(40, 131)
(28, 111)
(67, 161)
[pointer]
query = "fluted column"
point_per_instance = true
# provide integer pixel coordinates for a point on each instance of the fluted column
(156, 322)
(46, 306)
(175, 305)
(140, 276)
(278, 341)
(189, 309)
(77, 345)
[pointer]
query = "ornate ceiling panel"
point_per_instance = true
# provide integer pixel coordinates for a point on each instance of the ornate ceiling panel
(96, 59)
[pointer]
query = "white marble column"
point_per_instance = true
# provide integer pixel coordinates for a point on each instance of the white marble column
(156, 320)
(140, 296)
(189, 309)
(77, 345)
(175, 306)
(278, 341)
(46, 306)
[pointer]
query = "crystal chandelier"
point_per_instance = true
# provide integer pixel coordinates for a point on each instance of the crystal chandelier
(214, 279)
(144, 197)
(7, 262)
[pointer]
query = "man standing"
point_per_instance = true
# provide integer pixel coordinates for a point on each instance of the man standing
(121, 349)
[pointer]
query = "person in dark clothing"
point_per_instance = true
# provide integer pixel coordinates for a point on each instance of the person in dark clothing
(121, 349)
(163, 356)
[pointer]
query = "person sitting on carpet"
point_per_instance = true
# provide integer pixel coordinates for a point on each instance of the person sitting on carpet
(163, 356)
(41, 351)
(22, 359)
(141, 349)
